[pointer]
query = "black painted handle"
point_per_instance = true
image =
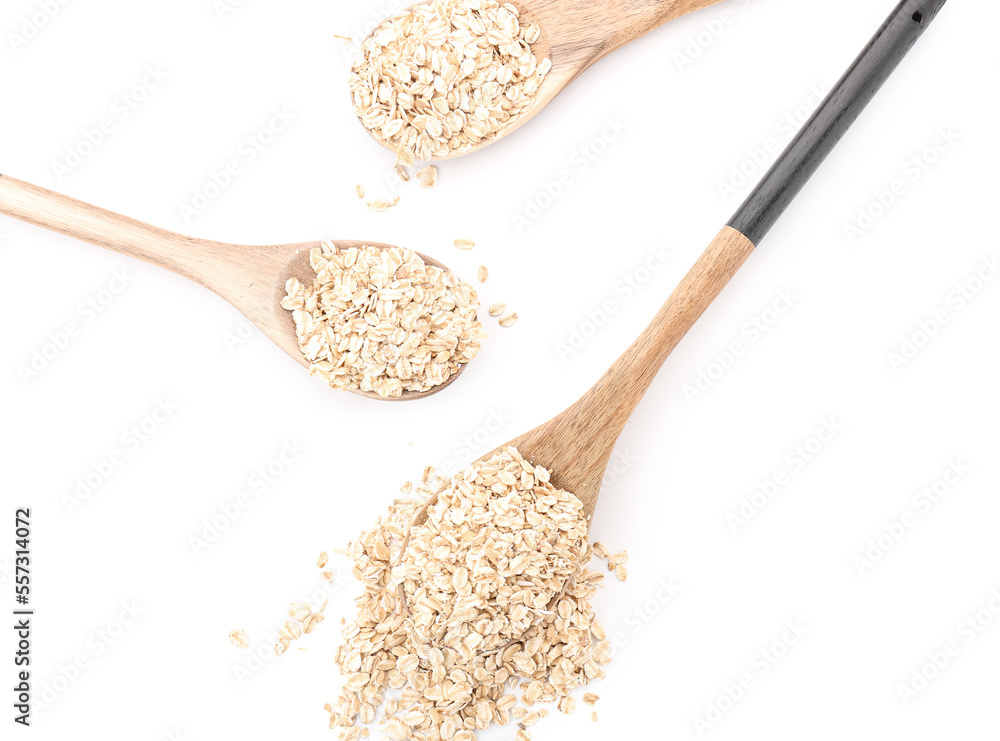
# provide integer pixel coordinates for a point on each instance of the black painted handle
(834, 117)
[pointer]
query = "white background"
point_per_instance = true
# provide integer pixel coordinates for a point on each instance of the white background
(694, 103)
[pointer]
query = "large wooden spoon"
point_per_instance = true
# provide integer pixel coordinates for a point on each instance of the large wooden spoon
(576, 445)
(250, 277)
(574, 35)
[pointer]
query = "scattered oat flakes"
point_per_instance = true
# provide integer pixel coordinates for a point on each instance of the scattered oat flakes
(483, 273)
(290, 630)
(359, 190)
(428, 176)
(402, 172)
(529, 720)
(310, 623)
(590, 698)
(321, 561)
(593, 716)
(382, 204)
(239, 638)
(464, 244)
(406, 488)
(382, 320)
(498, 309)
(619, 558)
(567, 704)
(442, 76)
(509, 319)
(341, 37)
(620, 573)
(600, 550)
(299, 610)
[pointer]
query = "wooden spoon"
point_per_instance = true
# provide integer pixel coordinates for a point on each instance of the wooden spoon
(252, 278)
(574, 35)
(576, 445)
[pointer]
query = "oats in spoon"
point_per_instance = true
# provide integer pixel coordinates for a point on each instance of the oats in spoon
(382, 320)
(445, 74)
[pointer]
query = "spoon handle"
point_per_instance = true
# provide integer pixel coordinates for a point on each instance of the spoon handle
(615, 396)
(647, 15)
(45, 208)
(834, 117)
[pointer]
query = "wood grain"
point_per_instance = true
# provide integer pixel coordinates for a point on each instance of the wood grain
(576, 445)
(250, 277)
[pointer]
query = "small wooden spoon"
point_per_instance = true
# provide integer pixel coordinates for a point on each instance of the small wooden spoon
(576, 445)
(252, 278)
(574, 35)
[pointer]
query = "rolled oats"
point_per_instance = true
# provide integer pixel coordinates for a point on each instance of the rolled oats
(382, 320)
(477, 626)
(446, 74)
(428, 176)
(382, 204)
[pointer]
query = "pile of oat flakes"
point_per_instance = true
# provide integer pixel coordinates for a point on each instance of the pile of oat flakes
(475, 616)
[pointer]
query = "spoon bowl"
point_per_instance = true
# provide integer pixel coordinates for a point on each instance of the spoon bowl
(574, 35)
(250, 277)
